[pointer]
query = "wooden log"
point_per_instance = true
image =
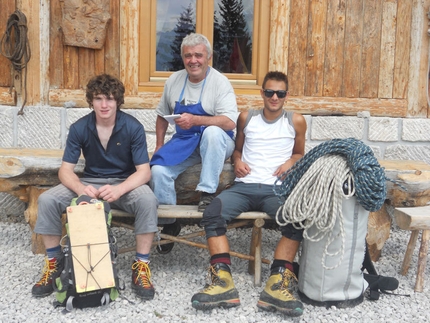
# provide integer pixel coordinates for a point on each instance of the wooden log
(422, 260)
(409, 252)
(378, 231)
(317, 106)
(412, 187)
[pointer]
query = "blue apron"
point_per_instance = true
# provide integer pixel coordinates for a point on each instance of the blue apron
(184, 141)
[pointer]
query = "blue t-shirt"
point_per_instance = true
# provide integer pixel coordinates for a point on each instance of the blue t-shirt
(125, 149)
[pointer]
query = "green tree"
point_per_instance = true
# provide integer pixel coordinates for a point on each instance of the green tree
(184, 27)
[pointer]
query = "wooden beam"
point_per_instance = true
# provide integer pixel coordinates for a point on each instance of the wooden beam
(317, 106)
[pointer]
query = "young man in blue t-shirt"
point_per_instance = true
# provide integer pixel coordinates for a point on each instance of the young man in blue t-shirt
(117, 170)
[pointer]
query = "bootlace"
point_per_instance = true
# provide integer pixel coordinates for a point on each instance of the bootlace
(214, 279)
(286, 285)
(48, 269)
(143, 272)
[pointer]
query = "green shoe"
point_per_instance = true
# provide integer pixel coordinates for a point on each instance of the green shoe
(220, 292)
(278, 293)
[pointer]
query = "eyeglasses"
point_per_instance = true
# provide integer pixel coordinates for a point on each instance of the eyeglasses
(280, 94)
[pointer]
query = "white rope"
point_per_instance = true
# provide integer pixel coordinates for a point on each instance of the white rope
(316, 202)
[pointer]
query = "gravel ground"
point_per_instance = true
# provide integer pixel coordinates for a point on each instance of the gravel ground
(181, 273)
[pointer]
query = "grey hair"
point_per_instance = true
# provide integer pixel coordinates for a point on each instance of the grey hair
(194, 39)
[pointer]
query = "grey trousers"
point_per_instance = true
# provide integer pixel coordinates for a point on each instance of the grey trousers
(141, 202)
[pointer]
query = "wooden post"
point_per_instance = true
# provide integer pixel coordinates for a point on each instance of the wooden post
(422, 260)
(409, 252)
(254, 266)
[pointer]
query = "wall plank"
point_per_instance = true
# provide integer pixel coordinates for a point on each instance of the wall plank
(31, 90)
(71, 67)
(371, 49)
(279, 35)
(129, 44)
(388, 43)
(86, 65)
(334, 48)
(298, 41)
(56, 52)
(315, 47)
(352, 53)
(7, 8)
(111, 48)
(403, 47)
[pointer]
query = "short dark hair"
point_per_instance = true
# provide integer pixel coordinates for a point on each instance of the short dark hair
(277, 76)
(105, 84)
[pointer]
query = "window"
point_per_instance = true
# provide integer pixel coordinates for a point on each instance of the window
(237, 29)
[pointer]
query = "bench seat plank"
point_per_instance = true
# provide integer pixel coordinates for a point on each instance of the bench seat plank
(190, 212)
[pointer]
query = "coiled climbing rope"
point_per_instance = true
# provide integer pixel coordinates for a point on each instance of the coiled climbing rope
(14, 46)
(316, 185)
(369, 176)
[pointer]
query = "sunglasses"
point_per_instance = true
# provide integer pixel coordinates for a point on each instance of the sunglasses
(280, 94)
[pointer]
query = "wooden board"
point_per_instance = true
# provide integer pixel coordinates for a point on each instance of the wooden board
(403, 46)
(190, 212)
(333, 59)
(90, 247)
(413, 218)
(352, 52)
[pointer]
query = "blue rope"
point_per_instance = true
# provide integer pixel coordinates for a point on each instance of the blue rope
(369, 176)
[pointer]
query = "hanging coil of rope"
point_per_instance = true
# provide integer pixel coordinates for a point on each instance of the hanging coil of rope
(15, 47)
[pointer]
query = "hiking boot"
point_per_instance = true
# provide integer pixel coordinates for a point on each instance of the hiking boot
(220, 292)
(141, 280)
(51, 270)
(172, 229)
(278, 293)
(205, 200)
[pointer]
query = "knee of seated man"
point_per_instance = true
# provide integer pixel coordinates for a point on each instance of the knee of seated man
(290, 232)
(213, 222)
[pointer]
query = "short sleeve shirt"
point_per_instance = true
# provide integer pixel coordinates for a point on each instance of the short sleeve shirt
(125, 149)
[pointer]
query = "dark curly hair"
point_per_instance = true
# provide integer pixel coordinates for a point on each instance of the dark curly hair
(107, 85)
(276, 76)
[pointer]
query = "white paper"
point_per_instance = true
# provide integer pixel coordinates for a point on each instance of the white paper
(171, 118)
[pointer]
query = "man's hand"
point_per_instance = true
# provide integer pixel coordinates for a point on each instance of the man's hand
(241, 169)
(283, 168)
(91, 191)
(186, 121)
(110, 193)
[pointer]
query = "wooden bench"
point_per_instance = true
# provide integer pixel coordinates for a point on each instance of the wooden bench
(26, 173)
(416, 219)
(256, 219)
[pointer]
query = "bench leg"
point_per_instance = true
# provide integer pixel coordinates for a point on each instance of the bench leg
(409, 252)
(422, 260)
(254, 266)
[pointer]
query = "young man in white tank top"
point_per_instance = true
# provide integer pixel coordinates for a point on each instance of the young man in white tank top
(268, 143)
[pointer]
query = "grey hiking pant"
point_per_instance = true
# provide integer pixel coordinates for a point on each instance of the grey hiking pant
(244, 197)
(141, 202)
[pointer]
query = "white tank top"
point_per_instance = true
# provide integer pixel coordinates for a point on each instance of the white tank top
(268, 144)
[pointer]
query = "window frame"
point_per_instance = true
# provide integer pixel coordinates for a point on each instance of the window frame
(153, 81)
